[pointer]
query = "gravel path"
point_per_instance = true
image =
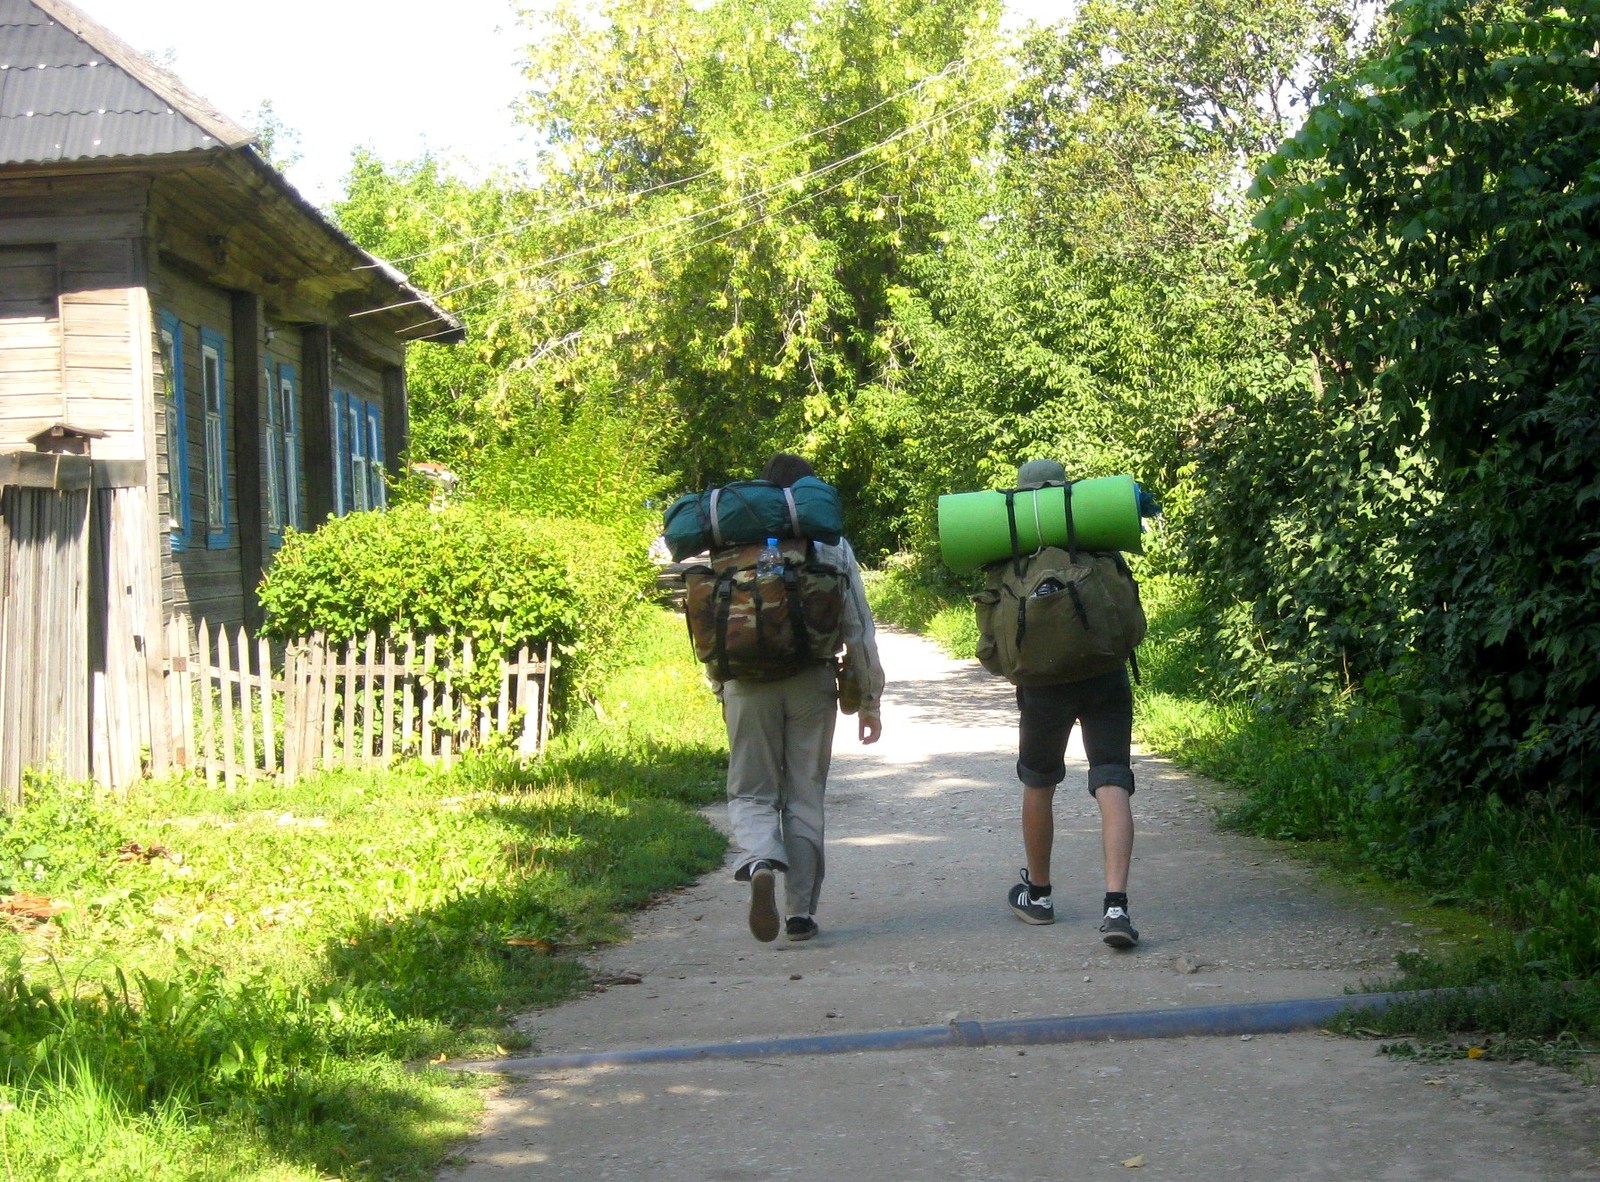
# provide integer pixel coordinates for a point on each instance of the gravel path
(923, 840)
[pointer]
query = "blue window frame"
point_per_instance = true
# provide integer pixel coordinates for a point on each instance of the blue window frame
(287, 394)
(341, 454)
(358, 453)
(180, 523)
(378, 497)
(272, 446)
(281, 443)
(214, 399)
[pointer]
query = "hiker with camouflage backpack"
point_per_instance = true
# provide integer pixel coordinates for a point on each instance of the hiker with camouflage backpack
(1061, 625)
(780, 740)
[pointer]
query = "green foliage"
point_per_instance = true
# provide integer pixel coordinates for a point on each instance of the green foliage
(242, 983)
(521, 412)
(1299, 539)
(495, 576)
(926, 600)
(1087, 300)
(1434, 221)
(1516, 882)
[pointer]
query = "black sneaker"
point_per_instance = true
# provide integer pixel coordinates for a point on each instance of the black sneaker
(763, 903)
(1029, 909)
(1117, 929)
(799, 927)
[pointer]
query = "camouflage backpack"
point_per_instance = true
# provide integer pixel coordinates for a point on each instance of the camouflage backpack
(764, 628)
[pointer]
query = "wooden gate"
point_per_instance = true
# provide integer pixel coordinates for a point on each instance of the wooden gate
(44, 630)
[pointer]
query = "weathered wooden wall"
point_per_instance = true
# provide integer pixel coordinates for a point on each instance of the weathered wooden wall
(30, 342)
(44, 665)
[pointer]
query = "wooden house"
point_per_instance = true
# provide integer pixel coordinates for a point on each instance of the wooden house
(192, 359)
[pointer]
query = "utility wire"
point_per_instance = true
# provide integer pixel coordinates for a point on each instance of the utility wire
(958, 64)
(724, 207)
(662, 256)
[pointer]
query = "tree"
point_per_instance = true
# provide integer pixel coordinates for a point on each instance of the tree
(1436, 220)
(746, 177)
(1089, 299)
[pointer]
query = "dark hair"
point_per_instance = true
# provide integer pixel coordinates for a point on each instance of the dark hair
(784, 469)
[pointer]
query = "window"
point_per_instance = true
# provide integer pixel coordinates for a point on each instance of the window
(214, 396)
(272, 445)
(379, 496)
(358, 453)
(289, 426)
(179, 523)
(356, 435)
(341, 454)
(281, 441)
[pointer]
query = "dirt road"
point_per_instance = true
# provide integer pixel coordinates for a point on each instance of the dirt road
(923, 841)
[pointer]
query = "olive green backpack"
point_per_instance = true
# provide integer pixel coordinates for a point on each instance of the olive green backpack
(1058, 615)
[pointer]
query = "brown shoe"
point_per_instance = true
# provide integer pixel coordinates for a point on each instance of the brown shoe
(763, 903)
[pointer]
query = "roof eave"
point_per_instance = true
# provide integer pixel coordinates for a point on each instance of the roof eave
(438, 324)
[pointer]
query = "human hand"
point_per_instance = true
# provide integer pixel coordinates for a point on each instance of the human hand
(869, 727)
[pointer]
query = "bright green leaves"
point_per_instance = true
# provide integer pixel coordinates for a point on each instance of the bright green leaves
(1440, 240)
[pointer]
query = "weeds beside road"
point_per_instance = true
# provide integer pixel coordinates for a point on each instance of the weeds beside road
(243, 985)
(1523, 880)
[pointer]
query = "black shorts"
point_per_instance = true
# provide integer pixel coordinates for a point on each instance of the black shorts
(1102, 705)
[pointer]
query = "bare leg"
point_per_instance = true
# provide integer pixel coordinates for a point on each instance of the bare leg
(1116, 834)
(1039, 832)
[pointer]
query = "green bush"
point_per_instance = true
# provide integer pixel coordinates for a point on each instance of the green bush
(925, 599)
(500, 578)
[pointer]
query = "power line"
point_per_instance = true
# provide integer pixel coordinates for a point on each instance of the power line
(960, 63)
(714, 212)
(658, 257)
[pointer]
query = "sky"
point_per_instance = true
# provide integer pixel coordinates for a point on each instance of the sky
(400, 77)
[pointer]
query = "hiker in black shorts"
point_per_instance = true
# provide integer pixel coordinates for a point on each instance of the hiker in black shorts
(1103, 707)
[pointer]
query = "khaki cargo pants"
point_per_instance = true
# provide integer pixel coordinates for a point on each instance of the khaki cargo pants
(780, 743)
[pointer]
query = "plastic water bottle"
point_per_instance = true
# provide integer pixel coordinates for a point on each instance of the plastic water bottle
(770, 560)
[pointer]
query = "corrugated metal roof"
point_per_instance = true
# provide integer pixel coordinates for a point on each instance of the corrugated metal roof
(71, 90)
(41, 43)
(75, 90)
(41, 138)
(21, 12)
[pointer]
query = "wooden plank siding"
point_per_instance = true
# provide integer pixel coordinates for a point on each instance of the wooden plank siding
(44, 634)
(30, 343)
(97, 344)
(201, 580)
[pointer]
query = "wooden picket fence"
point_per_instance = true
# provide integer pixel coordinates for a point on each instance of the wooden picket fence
(242, 707)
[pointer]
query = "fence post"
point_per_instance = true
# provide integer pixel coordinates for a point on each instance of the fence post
(247, 705)
(206, 730)
(548, 674)
(224, 656)
(388, 700)
(328, 689)
(409, 688)
(269, 734)
(368, 724)
(430, 693)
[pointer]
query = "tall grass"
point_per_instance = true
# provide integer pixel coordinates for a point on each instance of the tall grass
(924, 602)
(1331, 782)
(251, 984)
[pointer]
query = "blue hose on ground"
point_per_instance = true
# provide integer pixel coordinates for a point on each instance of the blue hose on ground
(1263, 1017)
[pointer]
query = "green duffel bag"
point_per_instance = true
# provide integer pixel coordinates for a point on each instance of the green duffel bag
(748, 511)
